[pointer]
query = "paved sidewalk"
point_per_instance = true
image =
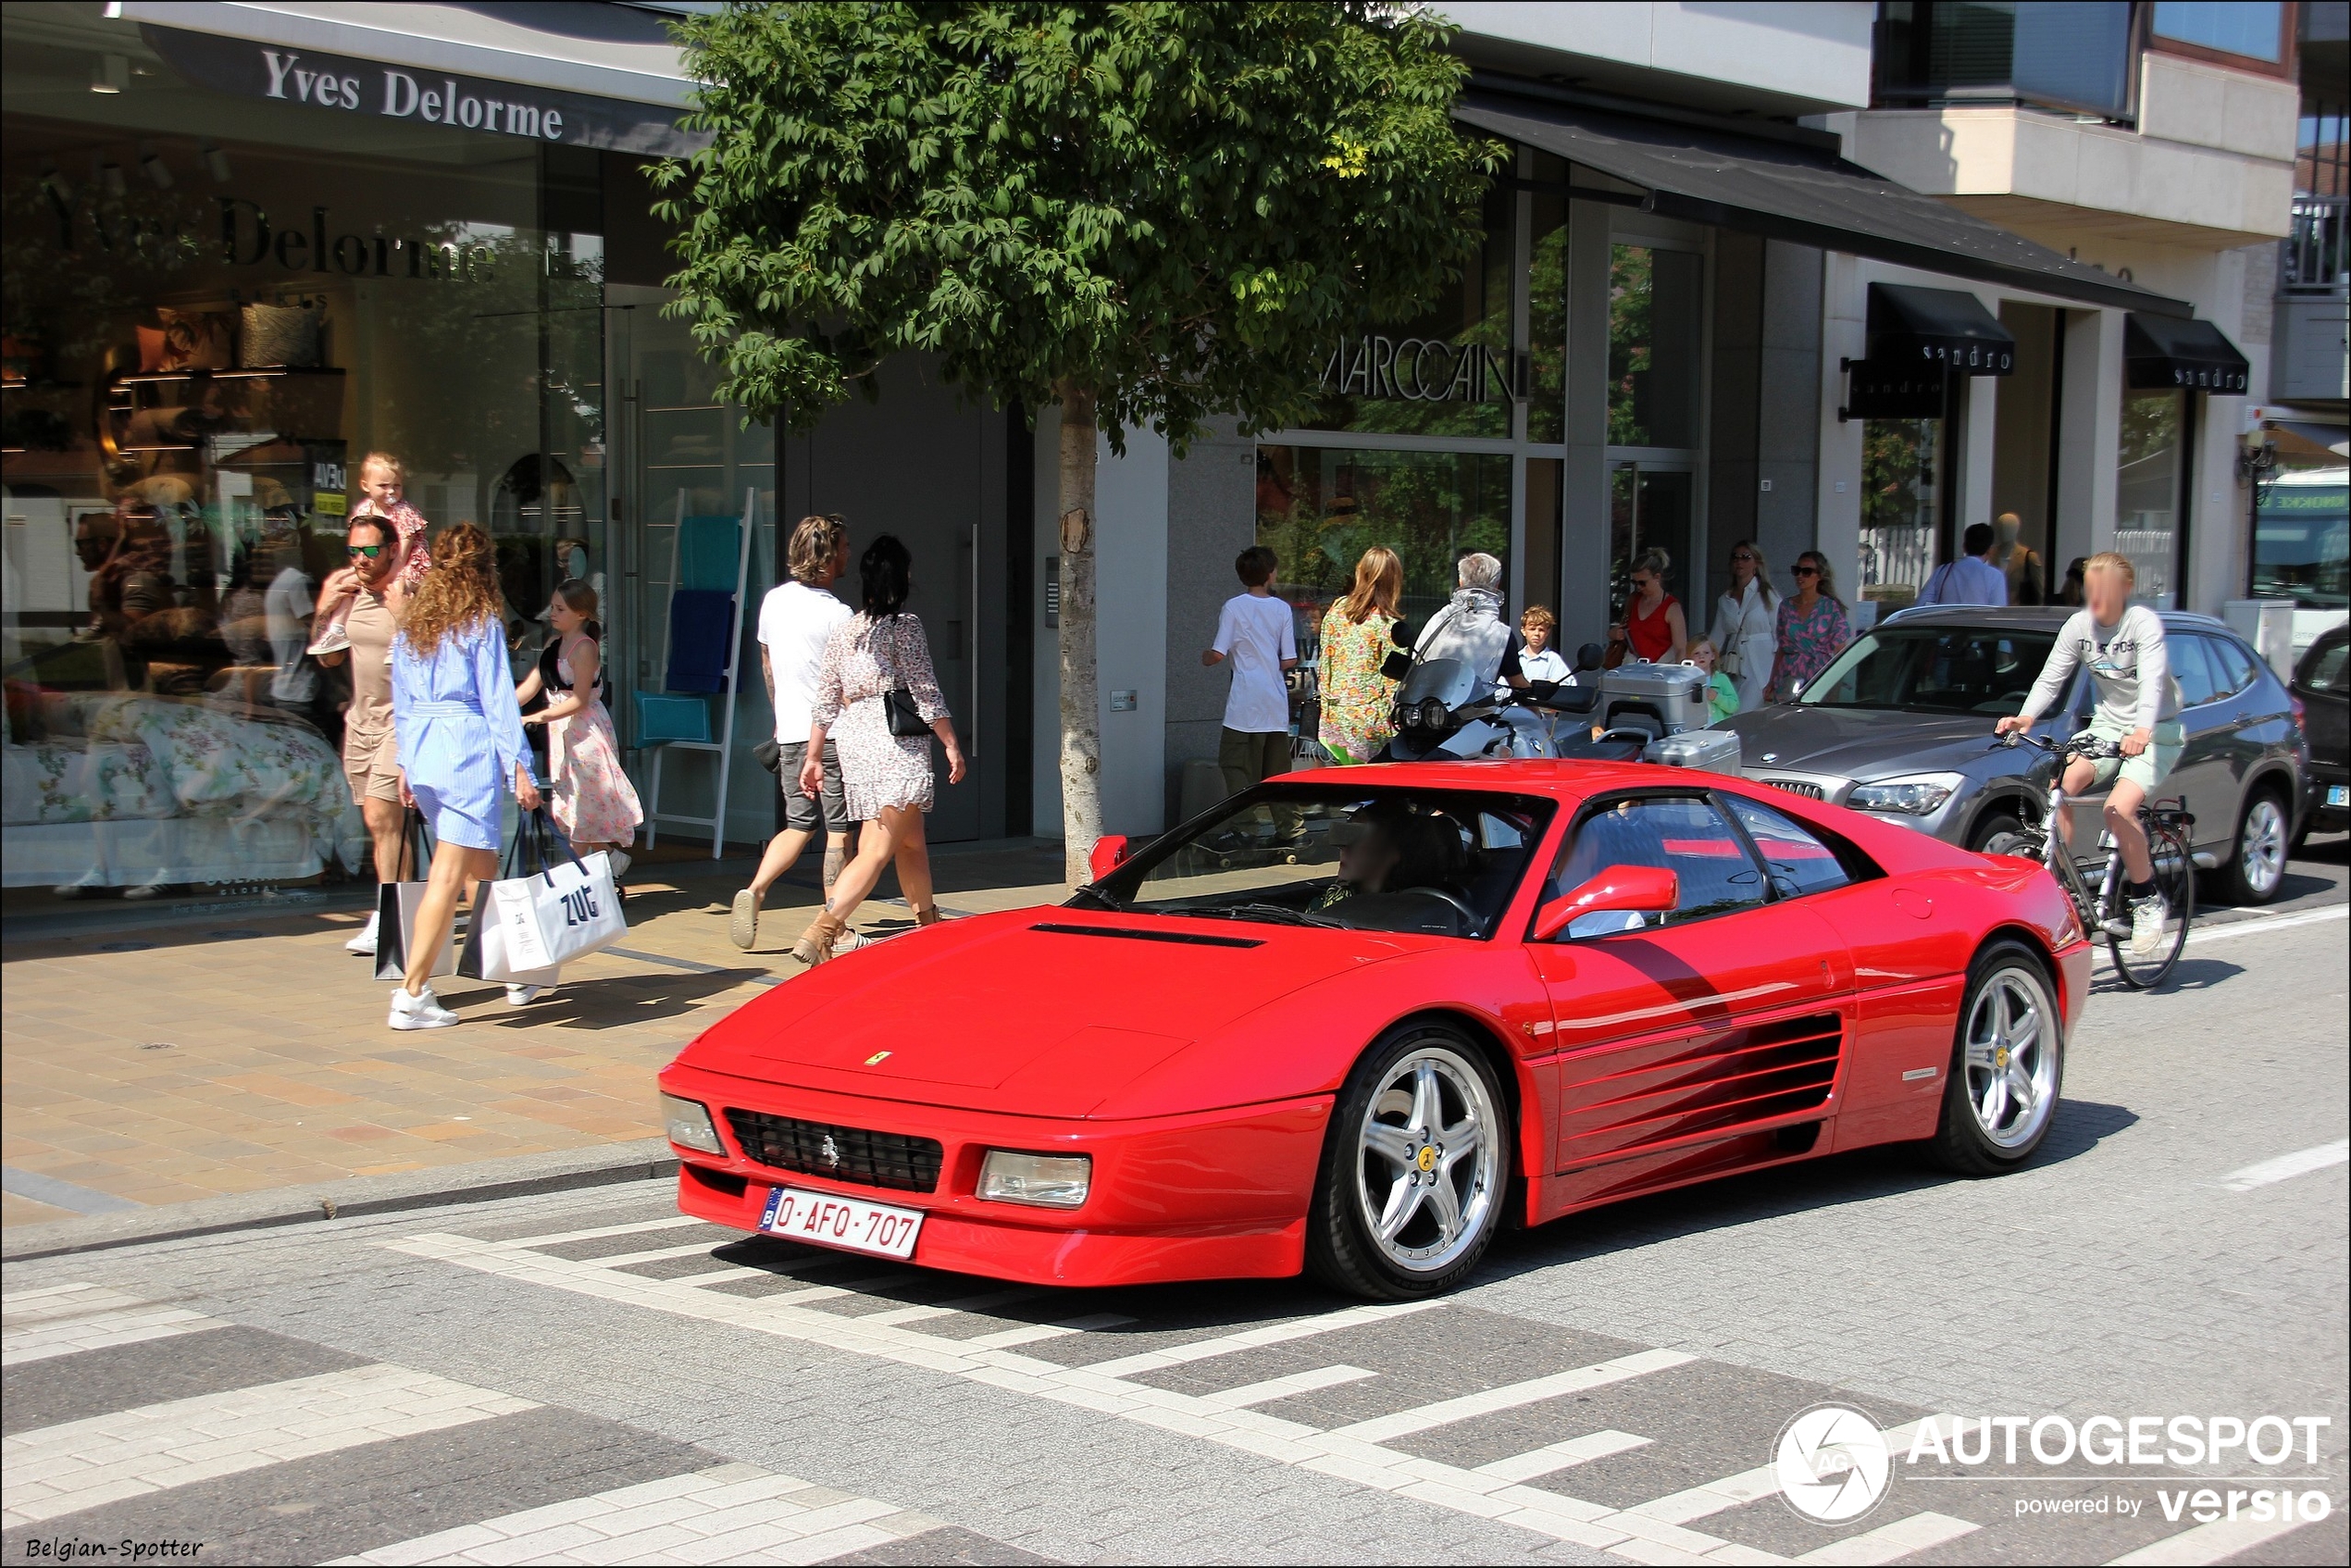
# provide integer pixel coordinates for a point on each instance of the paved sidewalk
(181, 1060)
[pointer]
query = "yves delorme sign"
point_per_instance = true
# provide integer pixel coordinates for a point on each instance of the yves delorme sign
(400, 93)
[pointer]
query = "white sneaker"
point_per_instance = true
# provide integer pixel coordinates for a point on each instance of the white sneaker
(334, 640)
(523, 996)
(620, 862)
(364, 943)
(420, 1012)
(2148, 916)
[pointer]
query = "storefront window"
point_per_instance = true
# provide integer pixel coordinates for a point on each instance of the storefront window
(2302, 539)
(1547, 304)
(1900, 482)
(1447, 374)
(214, 308)
(1655, 310)
(2149, 489)
(1650, 510)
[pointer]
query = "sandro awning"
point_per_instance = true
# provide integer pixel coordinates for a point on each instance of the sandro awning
(2163, 351)
(1798, 191)
(1937, 329)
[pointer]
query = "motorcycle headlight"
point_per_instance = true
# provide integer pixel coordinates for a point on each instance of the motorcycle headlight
(1907, 797)
(1433, 713)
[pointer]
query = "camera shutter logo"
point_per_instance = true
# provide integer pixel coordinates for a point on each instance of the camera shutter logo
(1831, 1464)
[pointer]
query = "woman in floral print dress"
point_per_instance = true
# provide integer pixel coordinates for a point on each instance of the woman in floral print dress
(887, 778)
(1359, 702)
(1813, 628)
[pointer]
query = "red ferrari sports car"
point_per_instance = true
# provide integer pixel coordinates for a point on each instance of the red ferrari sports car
(1356, 1021)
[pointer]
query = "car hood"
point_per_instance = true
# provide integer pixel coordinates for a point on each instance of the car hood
(1860, 742)
(1039, 1011)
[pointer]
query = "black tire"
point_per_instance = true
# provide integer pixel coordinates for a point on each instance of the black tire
(1962, 1144)
(1343, 1247)
(2001, 833)
(2175, 879)
(2255, 873)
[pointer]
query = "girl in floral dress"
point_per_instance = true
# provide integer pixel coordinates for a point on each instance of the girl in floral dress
(1358, 634)
(1813, 628)
(592, 799)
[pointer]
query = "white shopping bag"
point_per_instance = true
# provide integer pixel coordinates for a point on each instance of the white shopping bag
(560, 907)
(396, 910)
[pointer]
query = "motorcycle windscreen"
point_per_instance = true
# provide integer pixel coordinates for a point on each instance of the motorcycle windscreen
(1451, 681)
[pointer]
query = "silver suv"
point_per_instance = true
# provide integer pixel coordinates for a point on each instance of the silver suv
(1900, 726)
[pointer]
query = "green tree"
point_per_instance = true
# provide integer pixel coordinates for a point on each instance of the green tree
(1149, 214)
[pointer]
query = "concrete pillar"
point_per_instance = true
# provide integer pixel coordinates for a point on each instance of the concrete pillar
(1838, 489)
(2090, 423)
(1584, 605)
(1982, 432)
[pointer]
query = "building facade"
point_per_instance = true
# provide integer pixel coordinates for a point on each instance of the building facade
(1725, 294)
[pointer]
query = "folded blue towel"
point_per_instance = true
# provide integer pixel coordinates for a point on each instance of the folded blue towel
(709, 553)
(700, 621)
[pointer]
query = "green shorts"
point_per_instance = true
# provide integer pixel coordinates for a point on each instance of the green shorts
(2147, 769)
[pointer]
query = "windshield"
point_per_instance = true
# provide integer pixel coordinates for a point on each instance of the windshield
(1438, 862)
(1930, 670)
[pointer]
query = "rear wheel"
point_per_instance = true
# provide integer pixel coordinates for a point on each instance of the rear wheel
(2175, 879)
(2256, 871)
(2008, 1064)
(1415, 1168)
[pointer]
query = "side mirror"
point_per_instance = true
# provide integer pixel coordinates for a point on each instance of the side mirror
(1636, 889)
(1589, 656)
(1110, 851)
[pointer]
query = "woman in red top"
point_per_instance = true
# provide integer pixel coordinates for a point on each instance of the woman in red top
(1653, 622)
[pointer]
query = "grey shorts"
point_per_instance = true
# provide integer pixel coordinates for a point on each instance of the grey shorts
(800, 814)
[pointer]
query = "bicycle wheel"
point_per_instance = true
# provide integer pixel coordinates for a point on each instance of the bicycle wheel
(2175, 879)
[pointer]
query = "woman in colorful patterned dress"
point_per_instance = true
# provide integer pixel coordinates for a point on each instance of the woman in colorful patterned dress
(888, 779)
(1813, 628)
(1358, 635)
(590, 799)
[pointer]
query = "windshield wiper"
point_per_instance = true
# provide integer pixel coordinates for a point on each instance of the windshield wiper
(1280, 914)
(1094, 891)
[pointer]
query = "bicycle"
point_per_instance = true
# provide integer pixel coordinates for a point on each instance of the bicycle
(2167, 824)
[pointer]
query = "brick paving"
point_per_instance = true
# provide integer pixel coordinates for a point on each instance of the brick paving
(201, 1066)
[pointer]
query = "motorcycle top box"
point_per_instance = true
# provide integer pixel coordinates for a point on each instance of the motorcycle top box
(1671, 696)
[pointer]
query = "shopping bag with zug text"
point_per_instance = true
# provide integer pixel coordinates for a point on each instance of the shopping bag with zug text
(567, 910)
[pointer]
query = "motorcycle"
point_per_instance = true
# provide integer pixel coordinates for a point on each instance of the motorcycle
(1645, 713)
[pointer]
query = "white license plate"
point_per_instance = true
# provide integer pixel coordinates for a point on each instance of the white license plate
(2337, 793)
(850, 1224)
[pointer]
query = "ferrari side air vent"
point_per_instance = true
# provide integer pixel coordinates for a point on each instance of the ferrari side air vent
(1717, 1083)
(1129, 933)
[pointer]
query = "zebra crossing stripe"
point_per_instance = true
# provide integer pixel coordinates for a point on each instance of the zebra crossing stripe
(63, 1319)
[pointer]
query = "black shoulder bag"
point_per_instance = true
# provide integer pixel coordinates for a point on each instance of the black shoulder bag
(906, 720)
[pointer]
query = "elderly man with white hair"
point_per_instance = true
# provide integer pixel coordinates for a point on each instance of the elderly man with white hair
(1471, 628)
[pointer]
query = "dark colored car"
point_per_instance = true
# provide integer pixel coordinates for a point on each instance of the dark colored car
(1900, 724)
(2320, 692)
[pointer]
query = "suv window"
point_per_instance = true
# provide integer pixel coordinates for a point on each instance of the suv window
(2192, 667)
(2325, 672)
(2238, 666)
(1679, 834)
(1798, 863)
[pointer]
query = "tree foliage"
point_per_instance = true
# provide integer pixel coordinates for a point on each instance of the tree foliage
(1173, 208)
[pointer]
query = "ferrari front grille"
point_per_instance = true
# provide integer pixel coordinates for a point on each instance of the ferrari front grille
(874, 1159)
(1798, 787)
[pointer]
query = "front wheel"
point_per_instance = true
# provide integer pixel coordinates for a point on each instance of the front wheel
(2144, 955)
(1415, 1167)
(2008, 1064)
(2256, 871)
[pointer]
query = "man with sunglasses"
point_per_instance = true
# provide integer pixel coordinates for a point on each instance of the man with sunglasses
(370, 754)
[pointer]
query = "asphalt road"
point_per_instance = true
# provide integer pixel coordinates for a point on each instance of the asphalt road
(586, 1377)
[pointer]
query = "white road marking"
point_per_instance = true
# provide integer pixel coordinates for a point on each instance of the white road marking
(1030, 1334)
(660, 1254)
(1764, 1481)
(1555, 1457)
(1273, 1388)
(2215, 1542)
(58, 1470)
(557, 1238)
(63, 1319)
(734, 1512)
(1888, 1542)
(2287, 1166)
(1404, 1423)
(2254, 925)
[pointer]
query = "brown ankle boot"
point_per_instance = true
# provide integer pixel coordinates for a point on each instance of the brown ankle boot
(815, 944)
(927, 915)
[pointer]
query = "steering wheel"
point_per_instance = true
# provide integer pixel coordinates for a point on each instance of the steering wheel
(1469, 921)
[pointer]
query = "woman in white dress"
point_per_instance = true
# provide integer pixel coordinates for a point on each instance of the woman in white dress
(1745, 632)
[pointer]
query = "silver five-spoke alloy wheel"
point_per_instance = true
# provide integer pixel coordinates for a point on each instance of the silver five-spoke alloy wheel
(2011, 1059)
(1428, 1165)
(2261, 847)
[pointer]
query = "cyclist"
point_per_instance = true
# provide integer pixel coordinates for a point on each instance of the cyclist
(2138, 710)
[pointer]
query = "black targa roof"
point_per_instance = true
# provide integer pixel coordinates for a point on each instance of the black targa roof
(1790, 191)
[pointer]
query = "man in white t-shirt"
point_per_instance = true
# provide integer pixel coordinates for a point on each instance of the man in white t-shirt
(796, 620)
(287, 607)
(1257, 633)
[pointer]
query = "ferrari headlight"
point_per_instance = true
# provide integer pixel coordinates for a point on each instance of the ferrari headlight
(1910, 797)
(690, 1126)
(1044, 1181)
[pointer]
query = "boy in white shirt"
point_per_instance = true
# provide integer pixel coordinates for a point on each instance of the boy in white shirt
(1255, 632)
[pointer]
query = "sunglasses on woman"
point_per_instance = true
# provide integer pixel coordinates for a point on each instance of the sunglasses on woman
(1807, 571)
(370, 551)
(1743, 555)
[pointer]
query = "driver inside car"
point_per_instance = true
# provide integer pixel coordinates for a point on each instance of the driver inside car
(1388, 848)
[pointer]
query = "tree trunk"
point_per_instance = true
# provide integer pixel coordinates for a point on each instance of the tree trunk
(1081, 712)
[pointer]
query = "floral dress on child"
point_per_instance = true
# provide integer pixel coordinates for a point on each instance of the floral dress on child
(592, 800)
(864, 659)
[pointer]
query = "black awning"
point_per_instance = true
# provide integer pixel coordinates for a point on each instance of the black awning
(1947, 329)
(2163, 351)
(1792, 192)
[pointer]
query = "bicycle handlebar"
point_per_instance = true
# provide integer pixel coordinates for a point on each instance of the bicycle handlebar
(2085, 744)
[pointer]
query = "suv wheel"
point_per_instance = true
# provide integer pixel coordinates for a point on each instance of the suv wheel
(2256, 871)
(1999, 833)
